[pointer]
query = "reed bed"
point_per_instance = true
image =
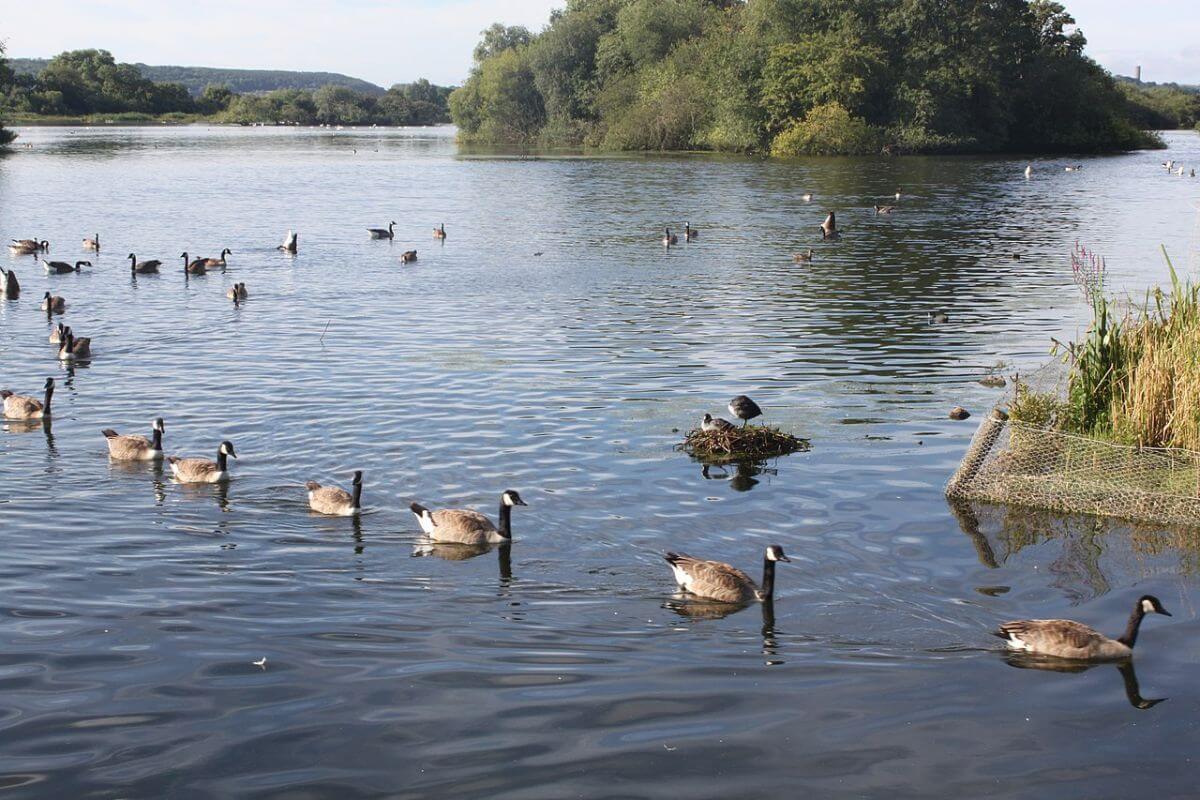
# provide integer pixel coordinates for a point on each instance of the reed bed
(1135, 377)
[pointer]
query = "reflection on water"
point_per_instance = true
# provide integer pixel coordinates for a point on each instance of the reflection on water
(1128, 676)
(1090, 555)
(134, 608)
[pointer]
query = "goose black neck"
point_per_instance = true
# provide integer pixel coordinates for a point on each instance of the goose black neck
(768, 581)
(357, 495)
(1129, 637)
(222, 460)
(46, 400)
(505, 520)
(156, 439)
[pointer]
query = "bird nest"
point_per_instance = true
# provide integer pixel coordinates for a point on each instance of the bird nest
(751, 442)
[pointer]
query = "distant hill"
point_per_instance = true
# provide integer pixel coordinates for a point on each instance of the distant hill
(241, 81)
(1182, 87)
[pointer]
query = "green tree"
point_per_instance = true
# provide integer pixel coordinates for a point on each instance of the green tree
(496, 39)
(6, 80)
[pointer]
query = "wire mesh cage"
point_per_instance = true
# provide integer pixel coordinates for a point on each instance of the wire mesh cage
(1039, 467)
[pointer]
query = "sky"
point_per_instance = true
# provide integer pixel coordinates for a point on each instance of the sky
(401, 40)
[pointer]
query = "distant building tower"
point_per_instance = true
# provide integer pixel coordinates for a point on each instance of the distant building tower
(1137, 73)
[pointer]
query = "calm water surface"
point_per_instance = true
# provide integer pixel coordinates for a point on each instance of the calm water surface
(132, 608)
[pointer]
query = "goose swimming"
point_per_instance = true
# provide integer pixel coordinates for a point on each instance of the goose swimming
(383, 233)
(135, 448)
(1064, 638)
(201, 470)
(716, 580)
(19, 406)
(336, 501)
(463, 526)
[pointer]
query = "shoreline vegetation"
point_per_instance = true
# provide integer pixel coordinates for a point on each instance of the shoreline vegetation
(808, 77)
(1134, 378)
(89, 87)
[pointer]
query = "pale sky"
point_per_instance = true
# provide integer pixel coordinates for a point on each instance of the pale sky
(398, 41)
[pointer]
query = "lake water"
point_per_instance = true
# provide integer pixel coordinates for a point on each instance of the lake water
(132, 608)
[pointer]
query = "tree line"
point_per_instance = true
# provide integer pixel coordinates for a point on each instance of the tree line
(796, 77)
(91, 82)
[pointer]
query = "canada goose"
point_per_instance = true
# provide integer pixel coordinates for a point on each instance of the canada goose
(938, 317)
(408, 256)
(238, 292)
(440, 231)
(807, 197)
(690, 234)
(143, 267)
(335, 501)
(62, 267)
(9, 287)
(18, 406)
(669, 238)
(194, 266)
(380, 233)
(136, 448)
(711, 423)
(92, 243)
(468, 527)
(291, 243)
(1073, 168)
(722, 582)
(201, 470)
(26, 247)
(217, 262)
(74, 349)
(884, 209)
(53, 304)
(803, 258)
(1066, 638)
(829, 227)
(1028, 171)
(56, 335)
(744, 408)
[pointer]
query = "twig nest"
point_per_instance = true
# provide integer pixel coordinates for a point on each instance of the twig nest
(959, 413)
(751, 442)
(993, 382)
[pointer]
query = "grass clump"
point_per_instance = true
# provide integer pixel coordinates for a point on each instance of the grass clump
(1135, 377)
(747, 443)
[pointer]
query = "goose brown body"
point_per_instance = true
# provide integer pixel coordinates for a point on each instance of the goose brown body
(1065, 638)
(463, 526)
(135, 448)
(334, 500)
(202, 470)
(19, 406)
(9, 286)
(725, 583)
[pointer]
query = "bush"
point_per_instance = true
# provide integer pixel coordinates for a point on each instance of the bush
(827, 130)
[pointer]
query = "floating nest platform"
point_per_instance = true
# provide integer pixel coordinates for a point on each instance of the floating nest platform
(748, 443)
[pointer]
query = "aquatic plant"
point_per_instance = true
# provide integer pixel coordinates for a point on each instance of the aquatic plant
(1134, 378)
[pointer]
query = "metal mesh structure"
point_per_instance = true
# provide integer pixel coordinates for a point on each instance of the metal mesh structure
(1017, 463)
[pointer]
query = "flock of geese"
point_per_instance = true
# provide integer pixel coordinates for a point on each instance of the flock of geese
(712, 581)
